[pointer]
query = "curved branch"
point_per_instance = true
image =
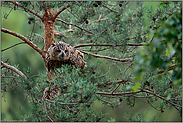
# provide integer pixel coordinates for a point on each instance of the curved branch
(59, 11)
(31, 11)
(25, 40)
(13, 69)
(107, 57)
(73, 25)
(111, 45)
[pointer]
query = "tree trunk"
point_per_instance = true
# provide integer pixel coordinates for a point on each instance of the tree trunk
(48, 22)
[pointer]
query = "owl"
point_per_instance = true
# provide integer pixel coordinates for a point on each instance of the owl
(60, 53)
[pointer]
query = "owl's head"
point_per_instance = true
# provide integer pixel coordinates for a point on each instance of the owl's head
(60, 51)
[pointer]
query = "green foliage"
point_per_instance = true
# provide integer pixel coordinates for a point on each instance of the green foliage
(152, 75)
(72, 103)
(165, 49)
(137, 118)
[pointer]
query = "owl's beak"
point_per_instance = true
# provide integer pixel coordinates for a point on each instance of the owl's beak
(61, 54)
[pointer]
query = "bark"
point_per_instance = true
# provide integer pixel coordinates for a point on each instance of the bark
(13, 69)
(48, 22)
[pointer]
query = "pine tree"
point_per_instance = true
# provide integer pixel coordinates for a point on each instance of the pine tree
(132, 52)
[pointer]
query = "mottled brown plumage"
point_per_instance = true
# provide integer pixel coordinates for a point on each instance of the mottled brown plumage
(60, 53)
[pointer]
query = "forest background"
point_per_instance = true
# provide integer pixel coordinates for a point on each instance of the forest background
(14, 104)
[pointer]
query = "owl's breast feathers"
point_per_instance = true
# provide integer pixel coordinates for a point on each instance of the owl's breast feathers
(61, 53)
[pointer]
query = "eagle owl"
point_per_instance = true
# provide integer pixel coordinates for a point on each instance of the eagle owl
(60, 53)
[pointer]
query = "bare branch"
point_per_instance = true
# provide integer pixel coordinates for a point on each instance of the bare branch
(111, 45)
(74, 25)
(59, 11)
(107, 57)
(25, 40)
(13, 69)
(31, 11)
(12, 46)
(110, 9)
(104, 101)
(118, 94)
(105, 73)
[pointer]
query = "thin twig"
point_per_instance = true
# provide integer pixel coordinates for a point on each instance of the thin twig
(13, 69)
(105, 73)
(110, 9)
(12, 46)
(128, 67)
(50, 119)
(119, 94)
(105, 102)
(156, 108)
(116, 88)
(31, 11)
(111, 45)
(147, 91)
(107, 57)
(73, 25)
(61, 102)
(143, 90)
(25, 40)
(59, 11)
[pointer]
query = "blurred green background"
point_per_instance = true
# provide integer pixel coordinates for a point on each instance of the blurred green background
(14, 104)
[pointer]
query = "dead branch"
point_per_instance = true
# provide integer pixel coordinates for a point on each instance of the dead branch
(110, 45)
(107, 57)
(73, 25)
(59, 11)
(13, 69)
(31, 11)
(25, 40)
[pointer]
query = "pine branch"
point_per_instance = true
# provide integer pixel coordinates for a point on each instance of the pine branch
(31, 11)
(13, 69)
(118, 94)
(25, 40)
(110, 9)
(111, 45)
(175, 105)
(169, 68)
(59, 11)
(73, 25)
(107, 57)
(143, 90)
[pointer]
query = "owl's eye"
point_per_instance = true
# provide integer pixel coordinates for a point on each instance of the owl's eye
(58, 51)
